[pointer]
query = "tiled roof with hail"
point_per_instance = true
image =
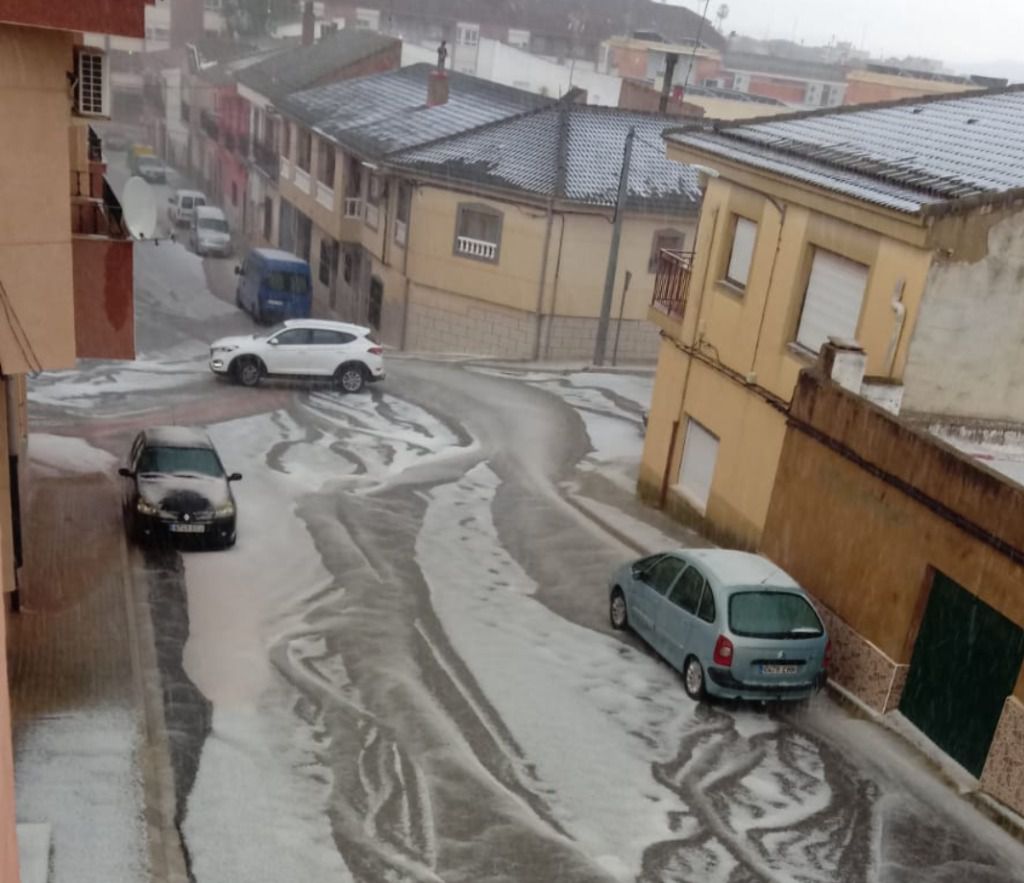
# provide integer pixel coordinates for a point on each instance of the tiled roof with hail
(378, 115)
(572, 152)
(910, 156)
(302, 66)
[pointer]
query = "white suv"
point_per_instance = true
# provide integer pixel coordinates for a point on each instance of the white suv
(302, 348)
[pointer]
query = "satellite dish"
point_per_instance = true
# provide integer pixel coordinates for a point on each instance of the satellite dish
(138, 202)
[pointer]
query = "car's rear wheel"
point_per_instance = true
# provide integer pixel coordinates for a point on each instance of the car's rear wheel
(693, 679)
(351, 378)
(617, 612)
(248, 371)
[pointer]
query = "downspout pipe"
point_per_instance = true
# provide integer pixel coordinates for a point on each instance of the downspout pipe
(900, 311)
(11, 403)
(542, 282)
(405, 267)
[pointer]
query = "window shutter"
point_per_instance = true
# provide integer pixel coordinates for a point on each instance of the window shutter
(92, 89)
(742, 252)
(835, 292)
(700, 452)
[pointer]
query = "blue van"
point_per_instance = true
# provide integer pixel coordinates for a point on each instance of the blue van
(274, 285)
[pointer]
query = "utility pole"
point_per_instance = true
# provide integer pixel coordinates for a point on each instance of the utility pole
(601, 342)
(618, 325)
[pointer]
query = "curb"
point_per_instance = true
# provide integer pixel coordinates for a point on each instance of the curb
(166, 857)
(1001, 816)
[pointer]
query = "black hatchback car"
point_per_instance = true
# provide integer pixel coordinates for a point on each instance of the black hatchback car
(177, 488)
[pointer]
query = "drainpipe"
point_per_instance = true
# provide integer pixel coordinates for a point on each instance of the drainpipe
(549, 223)
(897, 331)
(781, 209)
(11, 396)
(405, 270)
(554, 288)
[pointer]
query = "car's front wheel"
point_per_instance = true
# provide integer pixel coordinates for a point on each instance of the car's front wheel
(351, 378)
(248, 371)
(617, 612)
(693, 679)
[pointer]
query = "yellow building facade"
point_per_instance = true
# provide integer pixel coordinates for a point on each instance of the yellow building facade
(729, 360)
(440, 262)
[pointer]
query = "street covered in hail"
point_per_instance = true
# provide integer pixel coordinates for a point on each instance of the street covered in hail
(403, 667)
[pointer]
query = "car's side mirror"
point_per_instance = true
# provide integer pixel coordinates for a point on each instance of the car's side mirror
(125, 472)
(272, 341)
(235, 476)
(238, 270)
(637, 571)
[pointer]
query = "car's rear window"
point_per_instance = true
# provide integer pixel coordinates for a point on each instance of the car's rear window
(295, 283)
(179, 461)
(762, 614)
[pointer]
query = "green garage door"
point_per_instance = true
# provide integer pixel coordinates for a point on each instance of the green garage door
(965, 663)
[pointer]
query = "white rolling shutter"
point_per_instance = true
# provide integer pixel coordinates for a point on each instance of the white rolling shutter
(835, 293)
(700, 452)
(742, 252)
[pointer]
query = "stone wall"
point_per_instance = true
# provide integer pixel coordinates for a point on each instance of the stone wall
(443, 322)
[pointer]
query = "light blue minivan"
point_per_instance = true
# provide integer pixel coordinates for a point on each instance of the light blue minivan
(274, 285)
(734, 624)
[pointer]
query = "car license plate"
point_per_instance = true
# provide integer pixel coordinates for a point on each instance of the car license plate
(778, 669)
(188, 528)
(275, 303)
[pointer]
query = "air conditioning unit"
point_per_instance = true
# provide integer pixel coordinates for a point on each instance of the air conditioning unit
(92, 84)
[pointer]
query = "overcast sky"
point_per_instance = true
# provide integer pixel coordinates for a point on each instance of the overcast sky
(967, 32)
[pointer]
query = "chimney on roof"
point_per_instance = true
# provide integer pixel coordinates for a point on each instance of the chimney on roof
(308, 23)
(437, 88)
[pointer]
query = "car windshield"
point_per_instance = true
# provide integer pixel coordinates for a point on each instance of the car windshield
(217, 224)
(179, 461)
(293, 283)
(772, 614)
(149, 162)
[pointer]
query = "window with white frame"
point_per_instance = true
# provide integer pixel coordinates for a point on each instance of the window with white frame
(325, 166)
(328, 258)
(368, 19)
(304, 149)
(518, 38)
(403, 207)
(375, 190)
(741, 82)
(697, 469)
(744, 236)
(832, 303)
(467, 34)
(478, 232)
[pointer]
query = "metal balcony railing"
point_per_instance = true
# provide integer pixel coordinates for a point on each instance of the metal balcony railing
(672, 283)
(476, 248)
